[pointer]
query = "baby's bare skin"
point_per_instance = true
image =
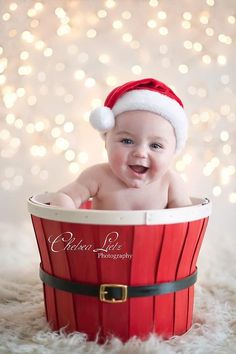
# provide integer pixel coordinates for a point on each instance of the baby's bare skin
(138, 174)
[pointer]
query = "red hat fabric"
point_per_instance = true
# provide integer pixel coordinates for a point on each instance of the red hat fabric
(145, 94)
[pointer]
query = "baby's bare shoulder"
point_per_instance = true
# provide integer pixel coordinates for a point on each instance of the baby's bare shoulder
(94, 171)
(178, 194)
(94, 175)
(174, 177)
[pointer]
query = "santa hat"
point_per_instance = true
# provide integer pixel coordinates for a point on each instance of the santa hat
(146, 94)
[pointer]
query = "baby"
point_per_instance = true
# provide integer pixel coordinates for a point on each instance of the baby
(144, 124)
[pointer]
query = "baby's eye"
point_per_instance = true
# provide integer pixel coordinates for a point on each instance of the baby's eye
(127, 141)
(156, 146)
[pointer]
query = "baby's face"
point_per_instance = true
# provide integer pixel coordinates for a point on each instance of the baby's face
(140, 147)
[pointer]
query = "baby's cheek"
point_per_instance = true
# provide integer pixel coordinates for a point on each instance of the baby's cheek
(117, 157)
(158, 166)
(164, 166)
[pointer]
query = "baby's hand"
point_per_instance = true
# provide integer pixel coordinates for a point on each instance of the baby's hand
(62, 200)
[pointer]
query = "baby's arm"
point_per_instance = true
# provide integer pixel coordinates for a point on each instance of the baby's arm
(178, 195)
(77, 192)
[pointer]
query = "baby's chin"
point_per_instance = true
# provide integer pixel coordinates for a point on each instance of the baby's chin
(136, 184)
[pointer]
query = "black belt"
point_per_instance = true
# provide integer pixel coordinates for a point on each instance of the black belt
(115, 293)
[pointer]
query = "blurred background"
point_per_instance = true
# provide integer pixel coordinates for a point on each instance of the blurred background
(59, 59)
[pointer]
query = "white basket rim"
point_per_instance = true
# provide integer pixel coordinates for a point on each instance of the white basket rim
(200, 209)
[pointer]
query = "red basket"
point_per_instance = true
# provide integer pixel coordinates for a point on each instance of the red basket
(131, 248)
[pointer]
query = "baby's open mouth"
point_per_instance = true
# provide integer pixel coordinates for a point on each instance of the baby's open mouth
(139, 169)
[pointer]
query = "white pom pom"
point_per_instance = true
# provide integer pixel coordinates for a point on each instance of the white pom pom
(102, 119)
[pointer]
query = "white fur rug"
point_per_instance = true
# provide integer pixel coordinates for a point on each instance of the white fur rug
(23, 328)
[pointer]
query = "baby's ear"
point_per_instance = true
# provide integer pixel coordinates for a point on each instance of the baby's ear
(105, 139)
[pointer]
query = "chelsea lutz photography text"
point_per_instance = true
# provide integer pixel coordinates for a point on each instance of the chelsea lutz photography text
(114, 256)
(66, 241)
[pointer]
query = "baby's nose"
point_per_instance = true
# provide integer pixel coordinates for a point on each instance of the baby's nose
(140, 152)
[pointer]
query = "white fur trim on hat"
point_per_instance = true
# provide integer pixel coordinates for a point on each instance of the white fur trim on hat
(103, 118)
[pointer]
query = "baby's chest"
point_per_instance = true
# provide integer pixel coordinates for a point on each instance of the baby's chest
(150, 197)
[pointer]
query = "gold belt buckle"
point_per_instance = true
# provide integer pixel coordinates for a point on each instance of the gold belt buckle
(103, 292)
